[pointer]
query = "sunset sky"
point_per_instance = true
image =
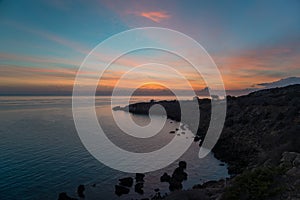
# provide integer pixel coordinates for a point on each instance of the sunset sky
(44, 42)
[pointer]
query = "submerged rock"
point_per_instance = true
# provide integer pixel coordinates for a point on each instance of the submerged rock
(120, 190)
(64, 196)
(80, 191)
(128, 182)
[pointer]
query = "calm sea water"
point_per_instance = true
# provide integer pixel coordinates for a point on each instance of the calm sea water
(42, 155)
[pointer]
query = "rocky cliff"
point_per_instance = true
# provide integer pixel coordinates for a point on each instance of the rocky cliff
(260, 142)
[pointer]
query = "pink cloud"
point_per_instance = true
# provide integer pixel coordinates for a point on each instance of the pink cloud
(155, 16)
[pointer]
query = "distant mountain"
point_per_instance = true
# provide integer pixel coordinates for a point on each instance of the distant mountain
(281, 83)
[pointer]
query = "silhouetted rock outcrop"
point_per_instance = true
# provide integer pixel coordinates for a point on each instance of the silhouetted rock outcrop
(128, 182)
(178, 176)
(165, 178)
(80, 191)
(259, 142)
(260, 125)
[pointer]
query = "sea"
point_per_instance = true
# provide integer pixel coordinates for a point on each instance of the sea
(41, 154)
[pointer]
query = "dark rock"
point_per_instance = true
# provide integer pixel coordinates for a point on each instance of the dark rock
(179, 174)
(197, 138)
(139, 177)
(182, 164)
(165, 178)
(209, 184)
(80, 191)
(138, 188)
(178, 177)
(64, 196)
(175, 184)
(128, 182)
(157, 196)
(120, 190)
(253, 124)
(117, 108)
(172, 132)
(254, 130)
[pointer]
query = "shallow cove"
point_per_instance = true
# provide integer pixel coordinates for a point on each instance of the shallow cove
(42, 155)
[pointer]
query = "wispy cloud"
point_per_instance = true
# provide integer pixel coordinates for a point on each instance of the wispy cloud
(251, 67)
(37, 60)
(156, 16)
(78, 47)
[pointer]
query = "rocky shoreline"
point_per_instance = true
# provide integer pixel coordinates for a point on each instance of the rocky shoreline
(259, 142)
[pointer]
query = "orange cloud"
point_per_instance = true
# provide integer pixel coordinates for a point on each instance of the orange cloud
(155, 16)
(250, 68)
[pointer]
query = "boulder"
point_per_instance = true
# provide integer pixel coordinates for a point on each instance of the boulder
(139, 177)
(64, 196)
(293, 172)
(165, 178)
(179, 174)
(296, 161)
(138, 188)
(80, 191)
(182, 164)
(288, 156)
(175, 184)
(197, 138)
(120, 190)
(290, 159)
(128, 182)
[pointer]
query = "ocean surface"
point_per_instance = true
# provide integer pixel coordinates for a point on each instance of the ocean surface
(41, 154)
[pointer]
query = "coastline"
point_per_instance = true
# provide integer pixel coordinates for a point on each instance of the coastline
(260, 138)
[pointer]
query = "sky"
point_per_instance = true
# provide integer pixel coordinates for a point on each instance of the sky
(43, 43)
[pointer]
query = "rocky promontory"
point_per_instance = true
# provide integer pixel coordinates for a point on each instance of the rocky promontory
(259, 142)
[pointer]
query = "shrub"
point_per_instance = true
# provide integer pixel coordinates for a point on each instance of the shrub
(257, 184)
